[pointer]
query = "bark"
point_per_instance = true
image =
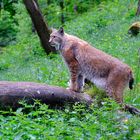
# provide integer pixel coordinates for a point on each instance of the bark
(138, 9)
(39, 24)
(12, 92)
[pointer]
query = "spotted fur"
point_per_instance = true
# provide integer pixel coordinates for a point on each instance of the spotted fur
(85, 61)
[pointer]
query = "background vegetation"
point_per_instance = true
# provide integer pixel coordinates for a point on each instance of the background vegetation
(104, 24)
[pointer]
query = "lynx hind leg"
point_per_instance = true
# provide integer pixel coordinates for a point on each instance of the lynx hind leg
(115, 93)
(115, 86)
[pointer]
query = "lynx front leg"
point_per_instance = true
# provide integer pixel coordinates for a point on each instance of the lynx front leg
(74, 68)
(81, 82)
(75, 80)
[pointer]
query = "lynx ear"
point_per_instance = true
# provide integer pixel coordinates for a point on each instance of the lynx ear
(61, 30)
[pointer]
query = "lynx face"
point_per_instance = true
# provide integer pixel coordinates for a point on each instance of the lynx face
(56, 38)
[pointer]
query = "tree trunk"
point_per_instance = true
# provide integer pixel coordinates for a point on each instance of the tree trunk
(62, 11)
(39, 24)
(138, 9)
(12, 92)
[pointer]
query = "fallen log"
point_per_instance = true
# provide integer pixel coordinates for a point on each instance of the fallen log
(12, 92)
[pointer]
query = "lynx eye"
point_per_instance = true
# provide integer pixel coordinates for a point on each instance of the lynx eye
(54, 36)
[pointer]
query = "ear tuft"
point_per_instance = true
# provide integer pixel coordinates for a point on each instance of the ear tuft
(61, 30)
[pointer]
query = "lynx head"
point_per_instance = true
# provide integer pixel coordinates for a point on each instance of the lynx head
(56, 38)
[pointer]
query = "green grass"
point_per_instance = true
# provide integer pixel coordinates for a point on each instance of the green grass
(105, 27)
(106, 122)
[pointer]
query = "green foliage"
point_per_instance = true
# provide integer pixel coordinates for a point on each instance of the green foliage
(71, 9)
(7, 28)
(24, 26)
(105, 27)
(7, 23)
(7, 5)
(41, 122)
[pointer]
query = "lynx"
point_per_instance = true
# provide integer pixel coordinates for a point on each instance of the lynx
(85, 61)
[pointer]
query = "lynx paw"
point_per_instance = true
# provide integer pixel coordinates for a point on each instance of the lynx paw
(68, 88)
(72, 89)
(75, 90)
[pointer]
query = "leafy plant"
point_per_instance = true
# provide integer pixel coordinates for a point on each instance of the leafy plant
(7, 29)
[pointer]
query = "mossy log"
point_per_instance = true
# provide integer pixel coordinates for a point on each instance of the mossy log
(12, 92)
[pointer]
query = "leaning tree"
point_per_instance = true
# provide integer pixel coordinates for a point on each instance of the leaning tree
(41, 27)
